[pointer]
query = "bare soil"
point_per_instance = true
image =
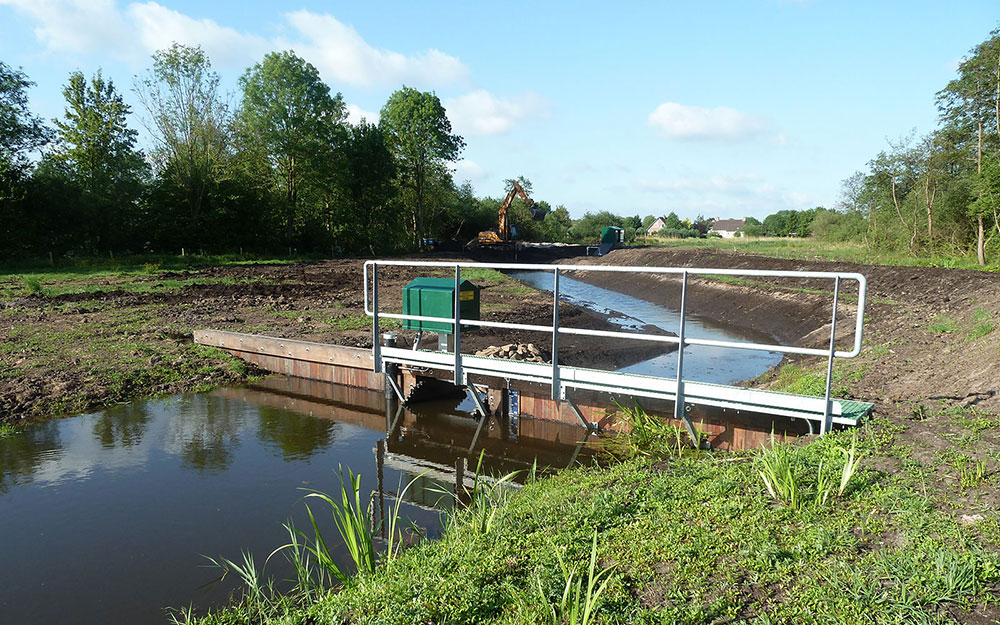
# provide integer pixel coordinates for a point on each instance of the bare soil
(70, 352)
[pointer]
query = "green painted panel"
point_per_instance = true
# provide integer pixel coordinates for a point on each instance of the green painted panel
(435, 297)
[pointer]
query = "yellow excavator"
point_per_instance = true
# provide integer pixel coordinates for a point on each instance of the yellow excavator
(505, 232)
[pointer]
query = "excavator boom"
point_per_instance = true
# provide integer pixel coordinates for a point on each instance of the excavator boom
(503, 231)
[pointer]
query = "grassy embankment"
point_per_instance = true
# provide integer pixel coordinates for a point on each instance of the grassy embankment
(813, 249)
(694, 537)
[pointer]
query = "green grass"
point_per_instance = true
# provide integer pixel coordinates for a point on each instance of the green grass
(689, 539)
(813, 249)
(982, 325)
(360, 322)
(794, 378)
(943, 325)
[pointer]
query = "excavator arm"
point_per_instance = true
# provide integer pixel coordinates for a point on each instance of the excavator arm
(502, 234)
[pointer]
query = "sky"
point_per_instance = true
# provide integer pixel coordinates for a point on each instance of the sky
(723, 109)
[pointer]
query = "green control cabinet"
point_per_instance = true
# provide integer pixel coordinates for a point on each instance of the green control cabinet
(435, 297)
(612, 234)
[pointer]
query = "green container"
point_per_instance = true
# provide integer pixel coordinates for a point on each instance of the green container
(435, 297)
(612, 234)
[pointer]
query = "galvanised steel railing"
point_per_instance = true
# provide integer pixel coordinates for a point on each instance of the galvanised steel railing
(372, 304)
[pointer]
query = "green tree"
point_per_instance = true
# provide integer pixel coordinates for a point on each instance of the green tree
(188, 121)
(673, 222)
(291, 112)
(97, 149)
(970, 106)
(420, 136)
(20, 134)
(373, 208)
(20, 131)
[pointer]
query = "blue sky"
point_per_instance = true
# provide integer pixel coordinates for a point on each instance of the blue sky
(724, 109)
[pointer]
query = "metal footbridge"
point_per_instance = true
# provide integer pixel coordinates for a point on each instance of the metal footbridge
(824, 411)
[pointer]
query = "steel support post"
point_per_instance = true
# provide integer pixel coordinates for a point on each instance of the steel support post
(827, 423)
(479, 429)
(471, 389)
(555, 334)
(458, 325)
(591, 427)
(679, 413)
(376, 346)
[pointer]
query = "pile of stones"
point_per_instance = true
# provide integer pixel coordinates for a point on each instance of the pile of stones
(514, 351)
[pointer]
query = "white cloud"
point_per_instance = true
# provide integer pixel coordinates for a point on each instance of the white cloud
(340, 53)
(335, 48)
(355, 114)
(678, 121)
(76, 25)
(481, 113)
(158, 27)
(468, 170)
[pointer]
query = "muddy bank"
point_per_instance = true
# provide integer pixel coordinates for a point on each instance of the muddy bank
(88, 342)
(929, 334)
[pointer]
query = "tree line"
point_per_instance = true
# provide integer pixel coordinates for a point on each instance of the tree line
(278, 168)
(940, 193)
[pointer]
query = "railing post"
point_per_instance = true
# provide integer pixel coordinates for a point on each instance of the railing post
(376, 344)
(679, 413)
(555, 334)
(458, 325)
(827, 407)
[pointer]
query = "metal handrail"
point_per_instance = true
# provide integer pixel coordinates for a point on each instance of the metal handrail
(371, 309)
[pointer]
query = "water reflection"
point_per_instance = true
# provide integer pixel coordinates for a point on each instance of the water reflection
(113, 510)
(297, 436)
(121, 426)
(22, 453)
(208, 433)
(719, 365)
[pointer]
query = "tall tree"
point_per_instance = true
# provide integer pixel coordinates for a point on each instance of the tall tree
(421, 138)
(97, 149)
(188, 120)
(291, 111)
(20, 134)
(373, 206)
(20, 131)
(970, 104)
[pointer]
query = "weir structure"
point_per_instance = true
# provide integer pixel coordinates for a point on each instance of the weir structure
(561, 380)
(534, 400)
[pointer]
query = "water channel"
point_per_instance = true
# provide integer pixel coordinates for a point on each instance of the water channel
(703, 363)
(106, 517)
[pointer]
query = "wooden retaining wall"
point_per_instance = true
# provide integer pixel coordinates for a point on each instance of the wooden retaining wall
(352, 367)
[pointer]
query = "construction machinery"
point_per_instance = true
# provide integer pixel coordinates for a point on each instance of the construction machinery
(505, 232)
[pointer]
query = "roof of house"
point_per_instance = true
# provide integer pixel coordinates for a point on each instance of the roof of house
(729, 225)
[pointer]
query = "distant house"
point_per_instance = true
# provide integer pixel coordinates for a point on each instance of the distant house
(728, 228)
(657, 225)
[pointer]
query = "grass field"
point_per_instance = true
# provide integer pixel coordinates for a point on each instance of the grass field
(812, 249)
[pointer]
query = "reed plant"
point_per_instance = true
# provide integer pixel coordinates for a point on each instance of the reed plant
(484, 498)
(576, 604)
(647, 435)
(776, 468)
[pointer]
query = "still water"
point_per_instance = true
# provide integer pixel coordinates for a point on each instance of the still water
(720, 365)
(104, 517)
